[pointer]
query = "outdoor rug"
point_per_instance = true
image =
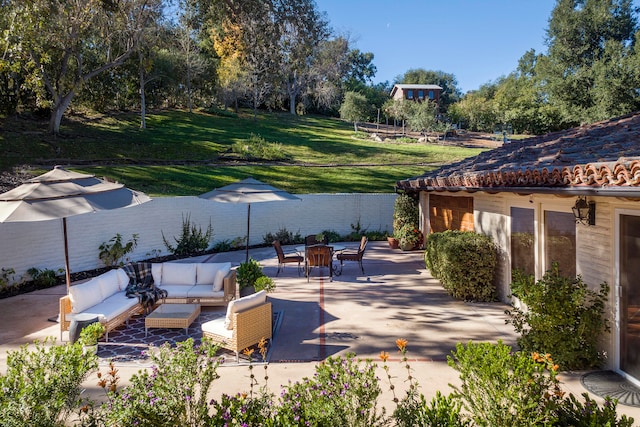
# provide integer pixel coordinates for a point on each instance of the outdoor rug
(609, 383)
(128, 343)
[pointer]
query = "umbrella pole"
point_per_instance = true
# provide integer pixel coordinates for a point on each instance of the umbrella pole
(246, 258)
(66, 254)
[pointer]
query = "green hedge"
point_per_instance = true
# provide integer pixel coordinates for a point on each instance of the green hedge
(464, 262)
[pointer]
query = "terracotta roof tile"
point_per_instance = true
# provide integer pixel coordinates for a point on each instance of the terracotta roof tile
(602, 154)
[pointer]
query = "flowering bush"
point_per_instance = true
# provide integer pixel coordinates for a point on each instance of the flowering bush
(498, 387)
(341, 393)
(409, 236)
(43, 384)
(172, 393)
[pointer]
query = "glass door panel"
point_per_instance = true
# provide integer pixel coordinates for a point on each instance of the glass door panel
(630, 295)
(560, 242)
(522, 240)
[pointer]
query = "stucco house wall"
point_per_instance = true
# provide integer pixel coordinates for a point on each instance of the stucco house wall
(547, 174)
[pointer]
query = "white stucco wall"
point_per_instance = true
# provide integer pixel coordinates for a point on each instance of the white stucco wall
(40, 244)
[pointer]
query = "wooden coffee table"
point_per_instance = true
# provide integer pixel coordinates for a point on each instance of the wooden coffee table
(172, 316)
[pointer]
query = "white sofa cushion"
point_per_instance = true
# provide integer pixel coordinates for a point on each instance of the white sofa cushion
(123, 278)
(85, 295)
(224, 269)
(178, 273)
(156, 273)
(242, 304)
(109, 283)
(217, 327)
(177, 291)
(206, 273)
(111, 307)
(203, 291)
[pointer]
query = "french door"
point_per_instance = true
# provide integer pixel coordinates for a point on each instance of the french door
(629, 295)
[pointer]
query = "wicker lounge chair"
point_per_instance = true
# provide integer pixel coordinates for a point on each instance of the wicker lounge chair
(249, 320)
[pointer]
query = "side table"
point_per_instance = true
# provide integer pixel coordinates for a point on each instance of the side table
(78, 322)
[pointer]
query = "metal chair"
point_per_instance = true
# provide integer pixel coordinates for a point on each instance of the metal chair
(286, 259)
(318, 256)
(346, 256)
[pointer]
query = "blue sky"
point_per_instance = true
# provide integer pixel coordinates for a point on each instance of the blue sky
(476, 40)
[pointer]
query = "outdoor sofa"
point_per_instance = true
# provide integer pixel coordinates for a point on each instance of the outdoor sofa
(105, 296)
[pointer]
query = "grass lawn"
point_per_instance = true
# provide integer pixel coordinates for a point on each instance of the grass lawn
(179, 153)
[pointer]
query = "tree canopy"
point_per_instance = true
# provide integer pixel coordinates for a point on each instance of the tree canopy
(591, 72)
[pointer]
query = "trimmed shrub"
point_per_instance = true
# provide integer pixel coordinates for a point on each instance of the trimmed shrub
(464, 262)
(563, 317)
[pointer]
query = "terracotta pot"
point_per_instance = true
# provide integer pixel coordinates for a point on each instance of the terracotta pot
(393, 242)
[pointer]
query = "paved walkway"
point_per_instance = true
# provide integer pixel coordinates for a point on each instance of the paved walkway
(353, 313)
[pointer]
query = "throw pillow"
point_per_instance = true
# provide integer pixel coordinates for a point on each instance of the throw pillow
(206, 273)
(218, 283)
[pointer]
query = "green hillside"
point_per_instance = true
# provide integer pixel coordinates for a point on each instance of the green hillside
(183, 153)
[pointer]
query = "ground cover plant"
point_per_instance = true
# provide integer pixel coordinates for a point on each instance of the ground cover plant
(183, 153)
(499, 387)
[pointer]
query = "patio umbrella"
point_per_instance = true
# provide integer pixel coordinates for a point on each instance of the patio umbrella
(248, 191)
(59, 194)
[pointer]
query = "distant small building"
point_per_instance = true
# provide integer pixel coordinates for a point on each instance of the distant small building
(413, 92)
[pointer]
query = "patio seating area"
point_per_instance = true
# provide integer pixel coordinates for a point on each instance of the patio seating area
(353, 313)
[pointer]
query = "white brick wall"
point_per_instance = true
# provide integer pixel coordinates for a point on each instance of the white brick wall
(40, 244)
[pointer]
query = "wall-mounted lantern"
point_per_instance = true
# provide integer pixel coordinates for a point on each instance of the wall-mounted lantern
(585, 212)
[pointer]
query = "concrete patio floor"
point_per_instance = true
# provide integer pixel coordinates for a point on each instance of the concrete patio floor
(353, 313)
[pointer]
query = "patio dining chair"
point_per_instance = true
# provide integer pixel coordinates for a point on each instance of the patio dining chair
(318, 256)
(350, 256)
(286, 258)
(312, 239)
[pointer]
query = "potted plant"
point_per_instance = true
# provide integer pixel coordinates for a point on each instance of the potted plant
(246, 276)
(393, 242)
(90, 335)
(409, 237)
(405, 212)
(264, 283)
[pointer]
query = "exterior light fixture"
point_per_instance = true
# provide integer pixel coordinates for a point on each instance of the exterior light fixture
(585, 212)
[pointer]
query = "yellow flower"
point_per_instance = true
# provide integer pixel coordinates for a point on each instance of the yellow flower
(402, 344)
(247, 352)
(384, 356)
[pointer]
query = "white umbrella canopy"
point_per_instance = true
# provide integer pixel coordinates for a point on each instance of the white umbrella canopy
(59, 194)
(248, 191)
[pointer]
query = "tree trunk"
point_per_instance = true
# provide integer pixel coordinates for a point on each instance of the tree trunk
(143, 102)
(255, 104)
(189, 102)
(291, 88)
(58, 111)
